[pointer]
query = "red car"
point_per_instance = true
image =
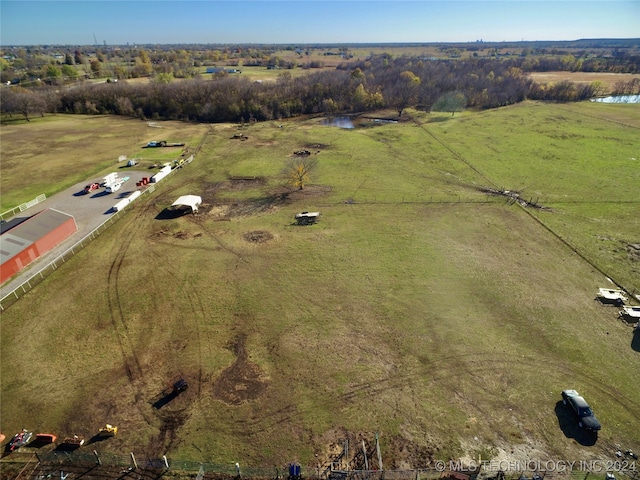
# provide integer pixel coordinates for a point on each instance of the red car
(91, 187)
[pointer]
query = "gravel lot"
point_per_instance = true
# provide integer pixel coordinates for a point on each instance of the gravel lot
(89, 211)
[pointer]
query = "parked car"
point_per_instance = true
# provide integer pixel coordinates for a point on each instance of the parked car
(580, 407)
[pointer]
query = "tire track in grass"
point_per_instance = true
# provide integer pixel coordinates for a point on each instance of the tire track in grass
(448, 367)
(116, 313)
(455, 154)
(604, 119)
(444, 368)
(197, 311)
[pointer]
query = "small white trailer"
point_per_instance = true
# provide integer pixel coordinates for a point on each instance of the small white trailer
(164, 171)
(630, 312)
(307, 218)
(612, 296)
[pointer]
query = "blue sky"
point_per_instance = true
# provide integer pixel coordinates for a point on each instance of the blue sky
(79, 22)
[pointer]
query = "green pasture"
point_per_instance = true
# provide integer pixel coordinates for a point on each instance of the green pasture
(418, 307)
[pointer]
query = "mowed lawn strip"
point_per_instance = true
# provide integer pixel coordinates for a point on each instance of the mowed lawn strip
(430, 322)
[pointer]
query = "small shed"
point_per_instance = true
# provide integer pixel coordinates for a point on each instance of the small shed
(307, 218)
(192, 201)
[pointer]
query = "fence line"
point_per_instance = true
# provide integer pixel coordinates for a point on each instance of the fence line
(23, 206)
(165, 466)
(24, 287)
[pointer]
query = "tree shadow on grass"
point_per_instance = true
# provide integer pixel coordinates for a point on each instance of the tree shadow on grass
(568, 423)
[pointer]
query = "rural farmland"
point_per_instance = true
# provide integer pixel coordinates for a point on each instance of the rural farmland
(427, 305)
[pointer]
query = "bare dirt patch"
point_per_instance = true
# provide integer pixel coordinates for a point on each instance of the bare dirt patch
(400, 452)
(257, 236)
(633, 251)
(310, 191)
(235, 183)
(241, 382)
(179, 235)
(317, 146)
(222, 208)
(167, 437)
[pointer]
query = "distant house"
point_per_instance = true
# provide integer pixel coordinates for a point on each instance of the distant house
(220, 70)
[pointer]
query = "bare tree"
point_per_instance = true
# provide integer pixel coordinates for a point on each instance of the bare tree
(297, 171)
(25, 102)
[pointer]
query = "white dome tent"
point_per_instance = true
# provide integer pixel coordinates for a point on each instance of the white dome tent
(192, 201)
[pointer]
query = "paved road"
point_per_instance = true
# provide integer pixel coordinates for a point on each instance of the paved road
(89, 211)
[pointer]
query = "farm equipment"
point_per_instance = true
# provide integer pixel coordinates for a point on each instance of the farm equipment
(72, 442)
(108, 431)
(91, 187)
(180, 386)
(174, 389)
(19, 440)
(45, 438)
(162, 143)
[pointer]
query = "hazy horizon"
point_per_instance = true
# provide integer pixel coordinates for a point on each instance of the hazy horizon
(117, 22)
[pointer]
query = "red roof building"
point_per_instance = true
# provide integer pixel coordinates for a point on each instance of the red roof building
(29, 239)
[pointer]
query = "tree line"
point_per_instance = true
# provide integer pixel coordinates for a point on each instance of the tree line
(380, 81)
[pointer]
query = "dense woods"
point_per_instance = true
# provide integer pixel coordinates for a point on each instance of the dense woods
(379, 81)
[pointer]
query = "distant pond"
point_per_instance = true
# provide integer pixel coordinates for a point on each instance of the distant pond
(340, 122)
(618, 99)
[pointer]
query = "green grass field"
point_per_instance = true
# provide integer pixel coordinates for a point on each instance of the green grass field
(446, 320)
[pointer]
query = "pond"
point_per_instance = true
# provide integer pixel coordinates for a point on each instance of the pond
(340, 122)
(618, 99)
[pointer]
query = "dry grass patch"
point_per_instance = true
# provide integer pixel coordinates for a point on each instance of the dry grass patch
(608, 79)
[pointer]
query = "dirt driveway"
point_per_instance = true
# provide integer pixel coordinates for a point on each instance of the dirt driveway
(89, 211)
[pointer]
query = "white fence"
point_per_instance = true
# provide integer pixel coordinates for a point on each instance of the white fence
(23, 207)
